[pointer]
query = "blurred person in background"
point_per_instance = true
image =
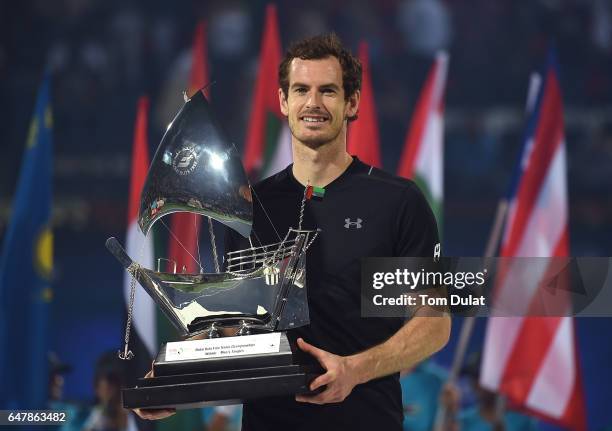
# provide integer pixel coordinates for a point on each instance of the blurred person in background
(421, 388)
(425, 26)
(108, 414)
(57, 369)
(75, 414)
(486, 415)
(222, 418)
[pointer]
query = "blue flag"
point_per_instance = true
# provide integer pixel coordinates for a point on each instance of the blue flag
(26, 265)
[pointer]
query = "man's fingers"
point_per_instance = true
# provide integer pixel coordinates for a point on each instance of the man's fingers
(309, 348)
(154, 414)
(325, 397)
(322, 380)
(316, 399)
(150, 373)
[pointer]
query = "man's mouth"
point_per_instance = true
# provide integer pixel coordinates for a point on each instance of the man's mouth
(313, 118)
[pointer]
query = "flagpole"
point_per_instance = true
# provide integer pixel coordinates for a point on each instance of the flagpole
(468, 322)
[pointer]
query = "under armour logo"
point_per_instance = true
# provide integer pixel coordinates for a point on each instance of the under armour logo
(348, 223)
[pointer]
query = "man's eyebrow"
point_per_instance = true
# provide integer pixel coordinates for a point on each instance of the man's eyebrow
(324, 86)
(332, 86)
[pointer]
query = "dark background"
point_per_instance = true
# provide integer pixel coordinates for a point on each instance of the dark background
(103, 54)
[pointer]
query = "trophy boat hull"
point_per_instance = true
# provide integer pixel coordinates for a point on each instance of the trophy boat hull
(234, 377)
(179, 294)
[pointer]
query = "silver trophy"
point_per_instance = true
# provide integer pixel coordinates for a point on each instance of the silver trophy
(233, 319)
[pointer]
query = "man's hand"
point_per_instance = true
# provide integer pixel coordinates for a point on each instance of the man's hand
(339, 378)
(154, 414)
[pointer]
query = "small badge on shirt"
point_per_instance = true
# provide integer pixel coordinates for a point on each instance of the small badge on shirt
(317, 192)
(350, 224)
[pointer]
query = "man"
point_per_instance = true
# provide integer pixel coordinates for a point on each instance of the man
(364, 212)
(319, 93)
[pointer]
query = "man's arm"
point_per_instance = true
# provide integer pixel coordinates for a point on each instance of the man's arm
(418, 339)
(426, 333)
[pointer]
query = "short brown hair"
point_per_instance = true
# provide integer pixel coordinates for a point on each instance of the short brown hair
(317, 48)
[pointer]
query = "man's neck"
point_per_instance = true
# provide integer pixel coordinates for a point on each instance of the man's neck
(320, 166)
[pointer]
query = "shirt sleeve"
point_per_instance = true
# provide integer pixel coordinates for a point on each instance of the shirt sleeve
(416, 229)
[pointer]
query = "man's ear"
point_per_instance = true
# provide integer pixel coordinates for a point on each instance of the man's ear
(282, 100)
(353, 104)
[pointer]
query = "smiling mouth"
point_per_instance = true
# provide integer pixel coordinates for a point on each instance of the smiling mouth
(313, 119)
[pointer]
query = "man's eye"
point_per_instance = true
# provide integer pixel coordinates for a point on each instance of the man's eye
(300, 90)
(328, 91)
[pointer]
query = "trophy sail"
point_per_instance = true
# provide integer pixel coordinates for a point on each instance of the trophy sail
(196, 169)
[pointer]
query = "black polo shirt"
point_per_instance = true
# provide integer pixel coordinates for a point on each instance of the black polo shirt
(365, 212)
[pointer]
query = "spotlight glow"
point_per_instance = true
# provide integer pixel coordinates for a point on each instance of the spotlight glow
(216, 161)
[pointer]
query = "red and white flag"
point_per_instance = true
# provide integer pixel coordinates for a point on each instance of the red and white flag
(139, 247)
(199, 76)
(423, 157)
(363, 138)
(533, 360)
(185, 227)
(267, 149)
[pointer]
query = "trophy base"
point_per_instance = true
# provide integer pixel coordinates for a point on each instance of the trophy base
(195, 383)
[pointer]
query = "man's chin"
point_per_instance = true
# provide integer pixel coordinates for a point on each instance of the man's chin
(314, 143)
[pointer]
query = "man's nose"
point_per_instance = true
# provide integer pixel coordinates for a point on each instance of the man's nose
(314, 100)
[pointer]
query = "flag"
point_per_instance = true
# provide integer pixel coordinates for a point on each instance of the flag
(423, 155)
(318, 192)
(26, 266)
(533, 360)
(137, 245)
(143, 336)
(363, 138)
(199, 76)
(185, 227)
(268, 141)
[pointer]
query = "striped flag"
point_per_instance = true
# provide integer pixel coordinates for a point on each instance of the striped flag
(137, 245)
(185, 227)
(363, 140)
(423, 155)
(268, 141)
(533, 360)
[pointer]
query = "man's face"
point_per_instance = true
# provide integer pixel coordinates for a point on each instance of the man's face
(315, 104)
